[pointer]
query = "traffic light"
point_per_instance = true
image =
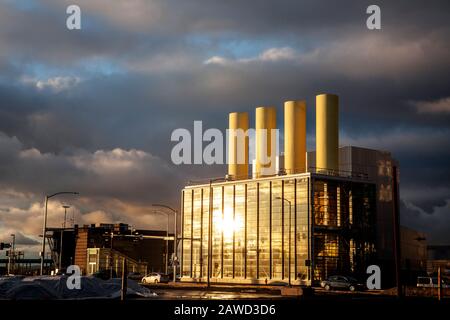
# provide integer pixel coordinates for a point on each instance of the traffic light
(5, 246)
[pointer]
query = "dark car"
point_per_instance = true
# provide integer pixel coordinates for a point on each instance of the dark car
(342, 283)
(135, 276)
(105, 274)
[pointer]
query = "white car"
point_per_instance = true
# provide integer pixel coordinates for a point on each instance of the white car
(155, 278)
(431, 282)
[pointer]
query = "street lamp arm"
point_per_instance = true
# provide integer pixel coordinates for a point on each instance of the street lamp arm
(62, 192)
(164, 206)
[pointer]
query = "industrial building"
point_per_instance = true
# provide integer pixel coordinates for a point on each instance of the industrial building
(317, 214)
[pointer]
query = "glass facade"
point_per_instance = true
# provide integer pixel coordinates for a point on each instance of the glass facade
(262, 230)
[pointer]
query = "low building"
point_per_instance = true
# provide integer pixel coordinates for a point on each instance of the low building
(100, 247)
(413, 254)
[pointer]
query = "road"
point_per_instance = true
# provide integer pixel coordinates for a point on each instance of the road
(194, 294)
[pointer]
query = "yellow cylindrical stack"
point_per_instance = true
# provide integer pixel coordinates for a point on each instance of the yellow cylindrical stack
(238, 145)
(327, 133)
(295, 137)
(265, 129)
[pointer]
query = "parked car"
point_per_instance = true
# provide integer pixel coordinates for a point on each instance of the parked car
(431, 282)
(104, 274)
(342, 282)
(155, 278)
(136, 276)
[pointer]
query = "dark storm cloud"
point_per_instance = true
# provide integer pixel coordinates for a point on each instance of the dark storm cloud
(140, 69)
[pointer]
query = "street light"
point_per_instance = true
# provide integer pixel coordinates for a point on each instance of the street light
(167, 240)
(175, 212)
(111, 235)
(11, 253)
(61, 238)
(290, 205)
(44, 227)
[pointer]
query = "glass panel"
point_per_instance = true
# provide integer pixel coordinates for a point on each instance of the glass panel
(205, 230)
(264, 230)
(196, 233)
(277, 230)
(187, 231)
(289, 227)
(228, 226)
(251, 231)
(217, 233)
(186, 258)
(301, 236)
(239, 234)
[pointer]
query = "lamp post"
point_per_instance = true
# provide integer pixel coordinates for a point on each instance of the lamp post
(175, 212)
(290, 205)
(61, 238)
(167, 240)
(11, 254)
(44, 227)
(111, 237)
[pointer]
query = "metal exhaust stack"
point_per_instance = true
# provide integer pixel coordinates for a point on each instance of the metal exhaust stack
(295, 136)
(327, 133)
(238, 145)
(265, 130)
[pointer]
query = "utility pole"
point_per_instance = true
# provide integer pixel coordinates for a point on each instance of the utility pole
(123, 290)
(61, 238)
(439, 284)
(13, 252)
(111, 255)
(396, 234)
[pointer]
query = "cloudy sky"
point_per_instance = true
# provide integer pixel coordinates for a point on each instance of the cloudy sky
(92, 110)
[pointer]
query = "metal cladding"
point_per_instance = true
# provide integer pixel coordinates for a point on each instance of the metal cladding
(295, 137)
(238, 145)
(265, 148)
(327, 133)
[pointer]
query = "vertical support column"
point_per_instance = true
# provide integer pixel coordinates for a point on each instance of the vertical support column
(182, 233)
(192, 233)
(270, 230)
(295, 229)
(234, 230)
(257, 230)
(245, 235)
(201, 234)
(221, 240)
(282, 231)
